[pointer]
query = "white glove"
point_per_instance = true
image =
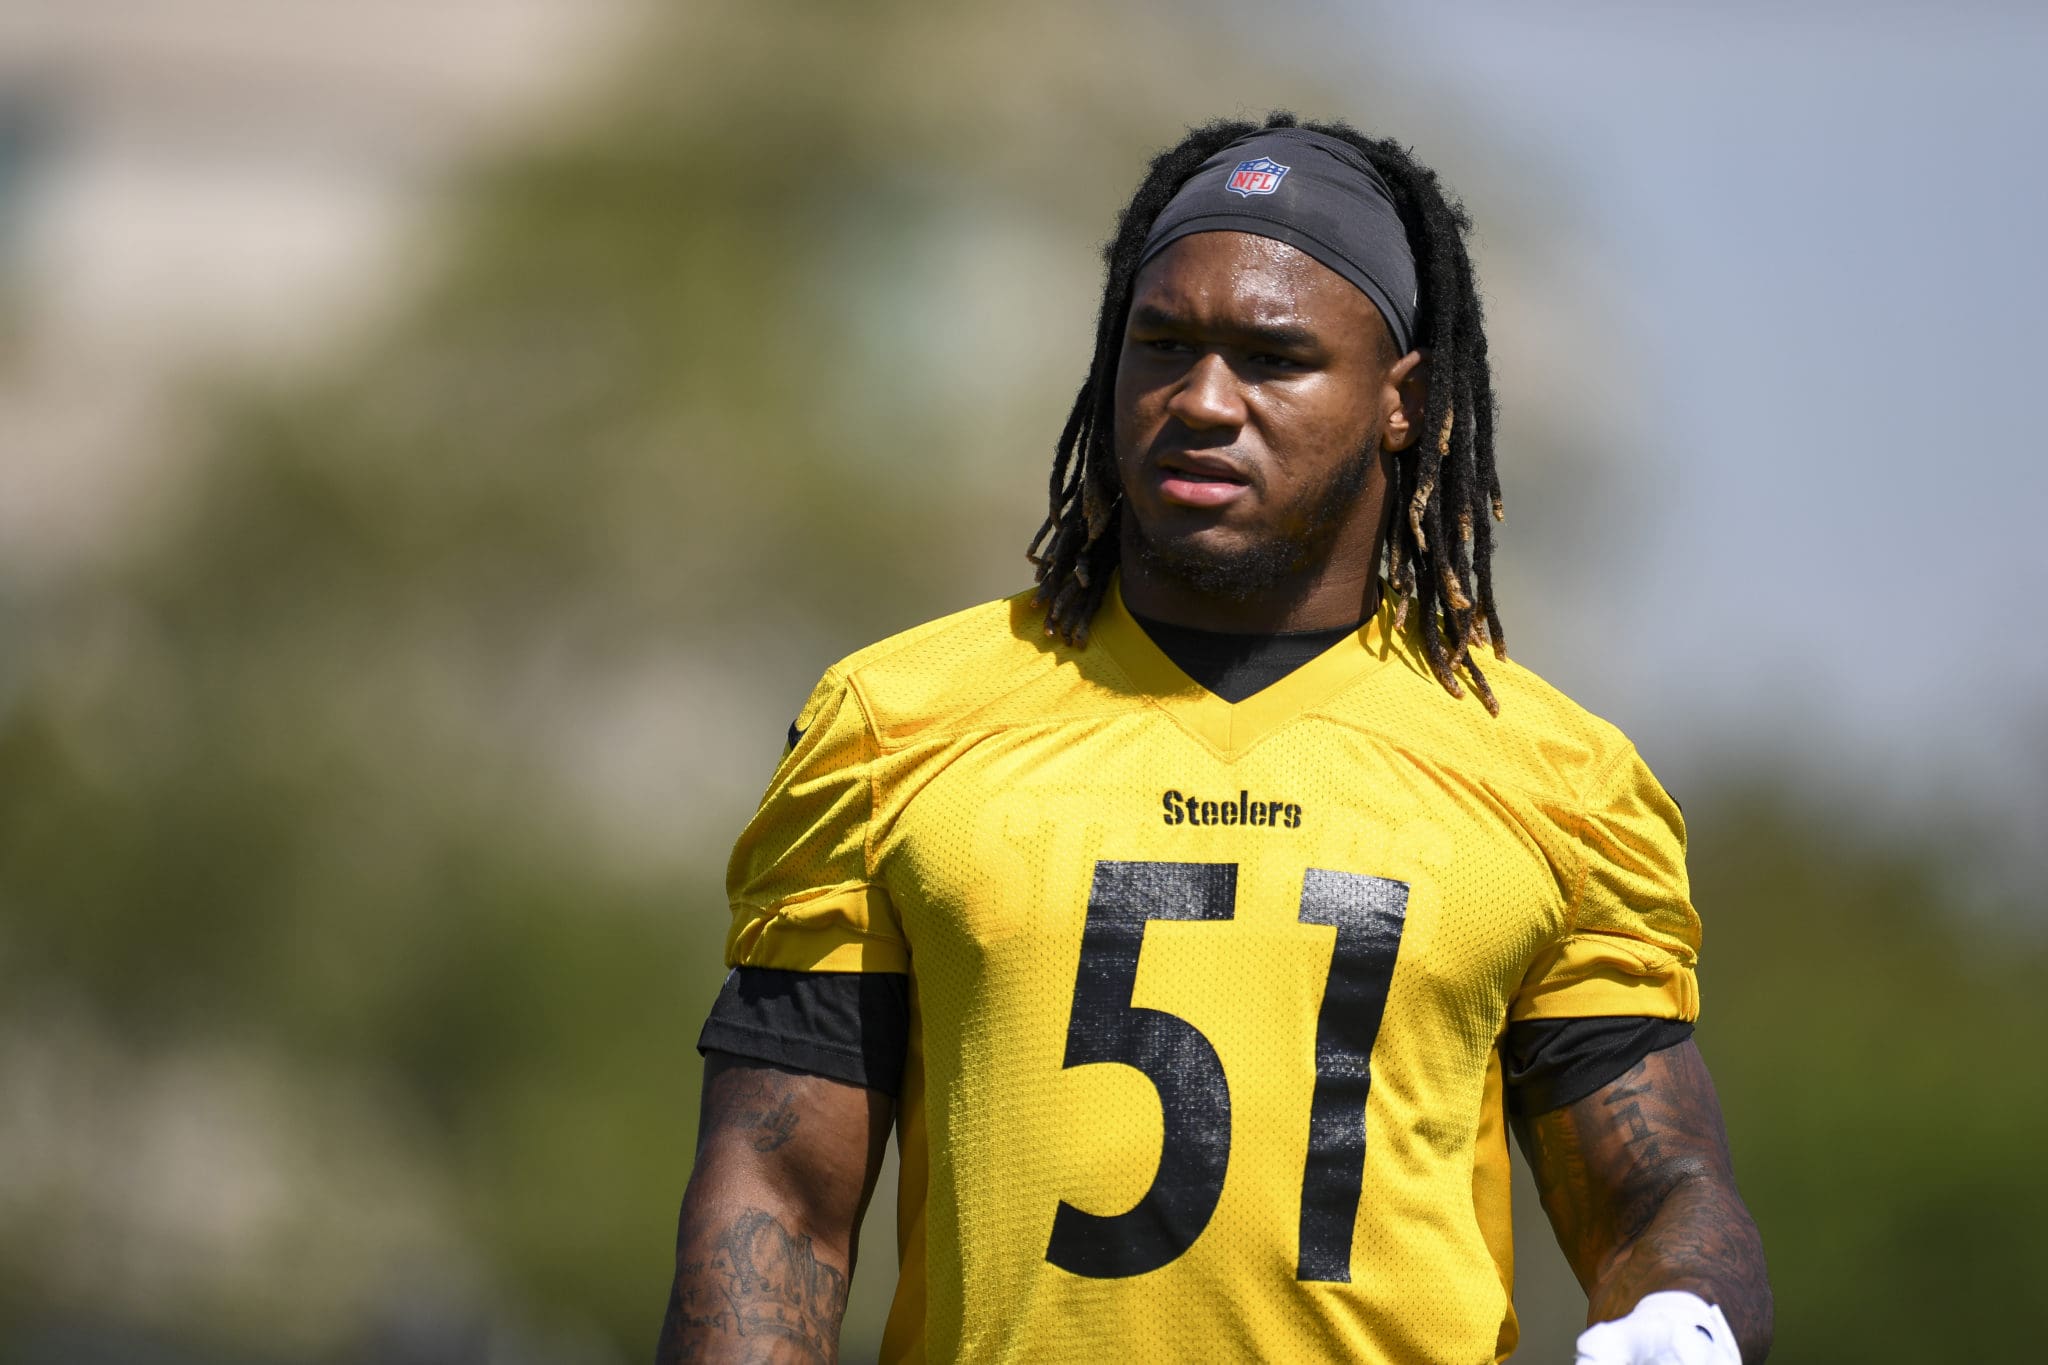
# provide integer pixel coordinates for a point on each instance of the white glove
(1671, 1327)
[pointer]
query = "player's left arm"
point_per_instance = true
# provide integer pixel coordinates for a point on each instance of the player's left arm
(1640, 1189)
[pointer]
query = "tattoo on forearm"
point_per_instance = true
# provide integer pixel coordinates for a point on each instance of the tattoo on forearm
(1703, 1240)
(1637, 1182)
(782, 1158)
(760, 1281)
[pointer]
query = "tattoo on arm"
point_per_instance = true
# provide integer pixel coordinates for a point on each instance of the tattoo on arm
(764, 1247)
(763, 1104)
(1638, 1184)
(1625, 1099)
(760, 1282)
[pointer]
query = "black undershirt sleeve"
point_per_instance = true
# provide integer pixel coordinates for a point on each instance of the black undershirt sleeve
(844, 1026)
(1550, 1063)
(855, 1027)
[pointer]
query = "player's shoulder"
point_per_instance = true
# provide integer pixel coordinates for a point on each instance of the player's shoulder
(989, 666)
(1542, 741)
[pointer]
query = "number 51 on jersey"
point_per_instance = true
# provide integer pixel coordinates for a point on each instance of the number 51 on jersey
(1369, 914)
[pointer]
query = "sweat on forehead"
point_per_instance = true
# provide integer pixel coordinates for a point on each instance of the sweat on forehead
(1316, 194)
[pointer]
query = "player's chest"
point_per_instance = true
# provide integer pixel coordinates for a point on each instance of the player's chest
(1016, 853)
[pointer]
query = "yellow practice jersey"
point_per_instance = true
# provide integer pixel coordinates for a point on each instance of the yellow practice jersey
(1206, 998)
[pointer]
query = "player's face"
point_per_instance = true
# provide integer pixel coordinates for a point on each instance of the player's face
(1254, 391)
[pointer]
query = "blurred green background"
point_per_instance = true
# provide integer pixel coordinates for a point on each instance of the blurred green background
(392, 641)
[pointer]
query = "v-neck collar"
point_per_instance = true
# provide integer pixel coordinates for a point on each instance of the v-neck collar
(1232, 729)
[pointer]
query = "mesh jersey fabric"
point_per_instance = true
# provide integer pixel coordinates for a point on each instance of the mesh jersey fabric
(1206, 997)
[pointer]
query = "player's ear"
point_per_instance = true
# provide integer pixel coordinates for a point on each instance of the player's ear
(1402, 397)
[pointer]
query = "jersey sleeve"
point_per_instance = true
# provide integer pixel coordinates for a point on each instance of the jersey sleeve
(799, 884)
(1631, 940)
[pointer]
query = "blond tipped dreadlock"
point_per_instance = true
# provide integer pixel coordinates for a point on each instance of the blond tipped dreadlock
(1439, 555)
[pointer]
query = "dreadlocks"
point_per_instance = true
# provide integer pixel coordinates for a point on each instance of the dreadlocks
(1445, 492)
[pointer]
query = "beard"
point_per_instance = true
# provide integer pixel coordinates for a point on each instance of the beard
(1243, 572)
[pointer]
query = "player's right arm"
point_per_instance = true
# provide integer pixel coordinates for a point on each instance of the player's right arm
(770, 1220)
(803, 1053)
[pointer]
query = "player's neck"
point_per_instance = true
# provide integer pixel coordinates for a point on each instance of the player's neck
(1340, 591)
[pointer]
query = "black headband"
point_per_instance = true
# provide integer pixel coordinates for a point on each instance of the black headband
(1313, 192)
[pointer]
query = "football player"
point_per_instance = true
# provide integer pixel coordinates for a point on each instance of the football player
(1202, 920)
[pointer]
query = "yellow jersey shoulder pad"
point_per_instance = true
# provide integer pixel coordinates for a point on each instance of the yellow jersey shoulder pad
(986, 668)
(1542, 741)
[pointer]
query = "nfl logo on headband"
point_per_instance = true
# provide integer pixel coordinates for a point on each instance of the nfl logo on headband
(1256, 177)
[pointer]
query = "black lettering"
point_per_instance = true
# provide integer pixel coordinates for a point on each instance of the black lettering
(1178, 808)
